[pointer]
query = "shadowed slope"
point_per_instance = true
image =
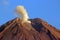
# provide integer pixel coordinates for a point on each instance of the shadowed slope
(13, 30)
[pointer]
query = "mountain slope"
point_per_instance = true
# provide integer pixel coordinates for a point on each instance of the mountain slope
(40, 30)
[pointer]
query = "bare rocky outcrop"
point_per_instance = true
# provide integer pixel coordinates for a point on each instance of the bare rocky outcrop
(40, 30)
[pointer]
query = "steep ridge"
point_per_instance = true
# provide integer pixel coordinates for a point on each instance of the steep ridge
(41, 30)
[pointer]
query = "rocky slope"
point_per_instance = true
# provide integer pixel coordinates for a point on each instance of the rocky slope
(41, 30)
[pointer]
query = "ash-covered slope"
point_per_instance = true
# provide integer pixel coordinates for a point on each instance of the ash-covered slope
(41, 30)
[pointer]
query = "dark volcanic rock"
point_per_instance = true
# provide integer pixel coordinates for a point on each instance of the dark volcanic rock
(41, 30)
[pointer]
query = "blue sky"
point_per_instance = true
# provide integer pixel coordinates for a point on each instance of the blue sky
(48, 10)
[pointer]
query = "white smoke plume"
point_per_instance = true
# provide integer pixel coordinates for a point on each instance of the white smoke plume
(22, 13)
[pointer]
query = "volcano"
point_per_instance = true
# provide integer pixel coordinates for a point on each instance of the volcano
(41, 30)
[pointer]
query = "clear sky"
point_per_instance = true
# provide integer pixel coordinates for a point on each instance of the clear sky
(48, 10)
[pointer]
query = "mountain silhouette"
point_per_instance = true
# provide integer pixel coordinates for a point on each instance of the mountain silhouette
(40, 30)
